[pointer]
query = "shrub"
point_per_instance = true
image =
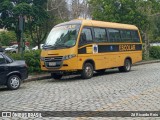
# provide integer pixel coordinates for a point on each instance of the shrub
(7, 37)
(32, 59)
(155, 52)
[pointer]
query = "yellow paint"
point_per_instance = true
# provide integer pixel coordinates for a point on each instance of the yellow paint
(102, 60)
(89, 49)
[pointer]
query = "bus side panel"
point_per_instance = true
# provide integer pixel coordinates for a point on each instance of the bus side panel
(109, 60)
(100, 61)
(134, 56)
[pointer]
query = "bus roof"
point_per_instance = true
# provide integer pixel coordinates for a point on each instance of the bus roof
(99, 24)
(110, 24)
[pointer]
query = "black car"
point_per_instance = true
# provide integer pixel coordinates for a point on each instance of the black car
(12, 72)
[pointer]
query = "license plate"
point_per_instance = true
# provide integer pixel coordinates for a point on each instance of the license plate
(52, 64)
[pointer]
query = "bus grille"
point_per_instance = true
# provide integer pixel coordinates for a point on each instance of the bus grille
(53, 62)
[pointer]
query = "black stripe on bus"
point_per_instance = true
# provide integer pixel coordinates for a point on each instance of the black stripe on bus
(114, 48)
(82, 50)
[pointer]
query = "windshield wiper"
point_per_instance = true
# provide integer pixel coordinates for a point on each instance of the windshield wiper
(56, 46)
(49, 46)
(62, 45)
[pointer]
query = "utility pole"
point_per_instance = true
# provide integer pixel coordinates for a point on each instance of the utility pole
(21, 28)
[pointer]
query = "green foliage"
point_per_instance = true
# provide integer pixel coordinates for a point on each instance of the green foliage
(38, 24)
(7, 37)
(155, 52)
(35, 17)
(32, 59)
(156, 30)
(6, 8)
(23, 9)
(123, 11)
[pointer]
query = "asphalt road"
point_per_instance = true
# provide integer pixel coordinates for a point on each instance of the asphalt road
(137, 90)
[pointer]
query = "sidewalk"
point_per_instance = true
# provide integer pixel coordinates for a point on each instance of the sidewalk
(48, 76)
(38, 77)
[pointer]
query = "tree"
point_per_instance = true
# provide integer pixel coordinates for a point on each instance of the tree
(123, 11)
(31, 10)
(149, 8)
(86, 11)
(156, 31)
(58, 11)
(59, 8)
(38, 22)
(139, 13)
(7, 37)
(79, 8)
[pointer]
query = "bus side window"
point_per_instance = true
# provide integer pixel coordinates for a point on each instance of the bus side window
(114, 35)
(100, 35)
(86, 36)
(126, 36)
(135, 36)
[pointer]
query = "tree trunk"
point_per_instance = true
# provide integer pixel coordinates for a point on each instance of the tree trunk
(146, 47)
(18, 35)
(39, 45)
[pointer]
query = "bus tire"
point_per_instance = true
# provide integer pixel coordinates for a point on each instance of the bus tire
(56, 76)
(126, 67)
(87, 71)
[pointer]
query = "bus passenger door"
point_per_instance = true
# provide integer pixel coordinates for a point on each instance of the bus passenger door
(85, 46)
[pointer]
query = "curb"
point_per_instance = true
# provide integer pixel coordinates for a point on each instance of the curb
(48, 76)
(146, 62)
(38, 77)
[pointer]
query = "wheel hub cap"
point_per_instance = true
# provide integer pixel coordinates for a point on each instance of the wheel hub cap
(14, 82)
(88, 71)
(128, 66)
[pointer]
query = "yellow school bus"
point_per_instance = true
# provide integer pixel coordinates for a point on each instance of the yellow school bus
(85, 46)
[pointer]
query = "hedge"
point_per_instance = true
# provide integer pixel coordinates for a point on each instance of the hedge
(32, 59)
(155, 52)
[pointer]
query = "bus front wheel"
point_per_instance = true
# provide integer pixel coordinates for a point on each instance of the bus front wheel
(56, 76)
(126, 67)
(87, 71)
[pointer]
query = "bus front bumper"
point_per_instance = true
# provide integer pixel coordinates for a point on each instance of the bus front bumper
(66, 65)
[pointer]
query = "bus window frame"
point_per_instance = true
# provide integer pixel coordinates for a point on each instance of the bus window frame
(109, 35)
(87, 42)
(139, 37)
(106, 36)
(131, 38)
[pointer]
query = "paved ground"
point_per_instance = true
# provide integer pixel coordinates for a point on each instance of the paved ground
(138, 90)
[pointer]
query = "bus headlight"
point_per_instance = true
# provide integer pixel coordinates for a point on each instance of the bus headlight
(68, 56)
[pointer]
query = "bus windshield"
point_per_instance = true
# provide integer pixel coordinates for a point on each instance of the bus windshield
(62, 37)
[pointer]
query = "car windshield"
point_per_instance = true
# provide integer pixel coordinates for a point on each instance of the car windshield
(14, 46)
(62, 37)
(9, 59)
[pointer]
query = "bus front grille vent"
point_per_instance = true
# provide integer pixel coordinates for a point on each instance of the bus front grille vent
(53, 62)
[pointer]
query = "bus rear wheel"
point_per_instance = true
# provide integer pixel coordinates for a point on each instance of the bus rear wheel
(87, 71)
(56, 76)
(126, 67)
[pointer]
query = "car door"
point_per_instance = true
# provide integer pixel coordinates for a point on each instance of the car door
(4, 69)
